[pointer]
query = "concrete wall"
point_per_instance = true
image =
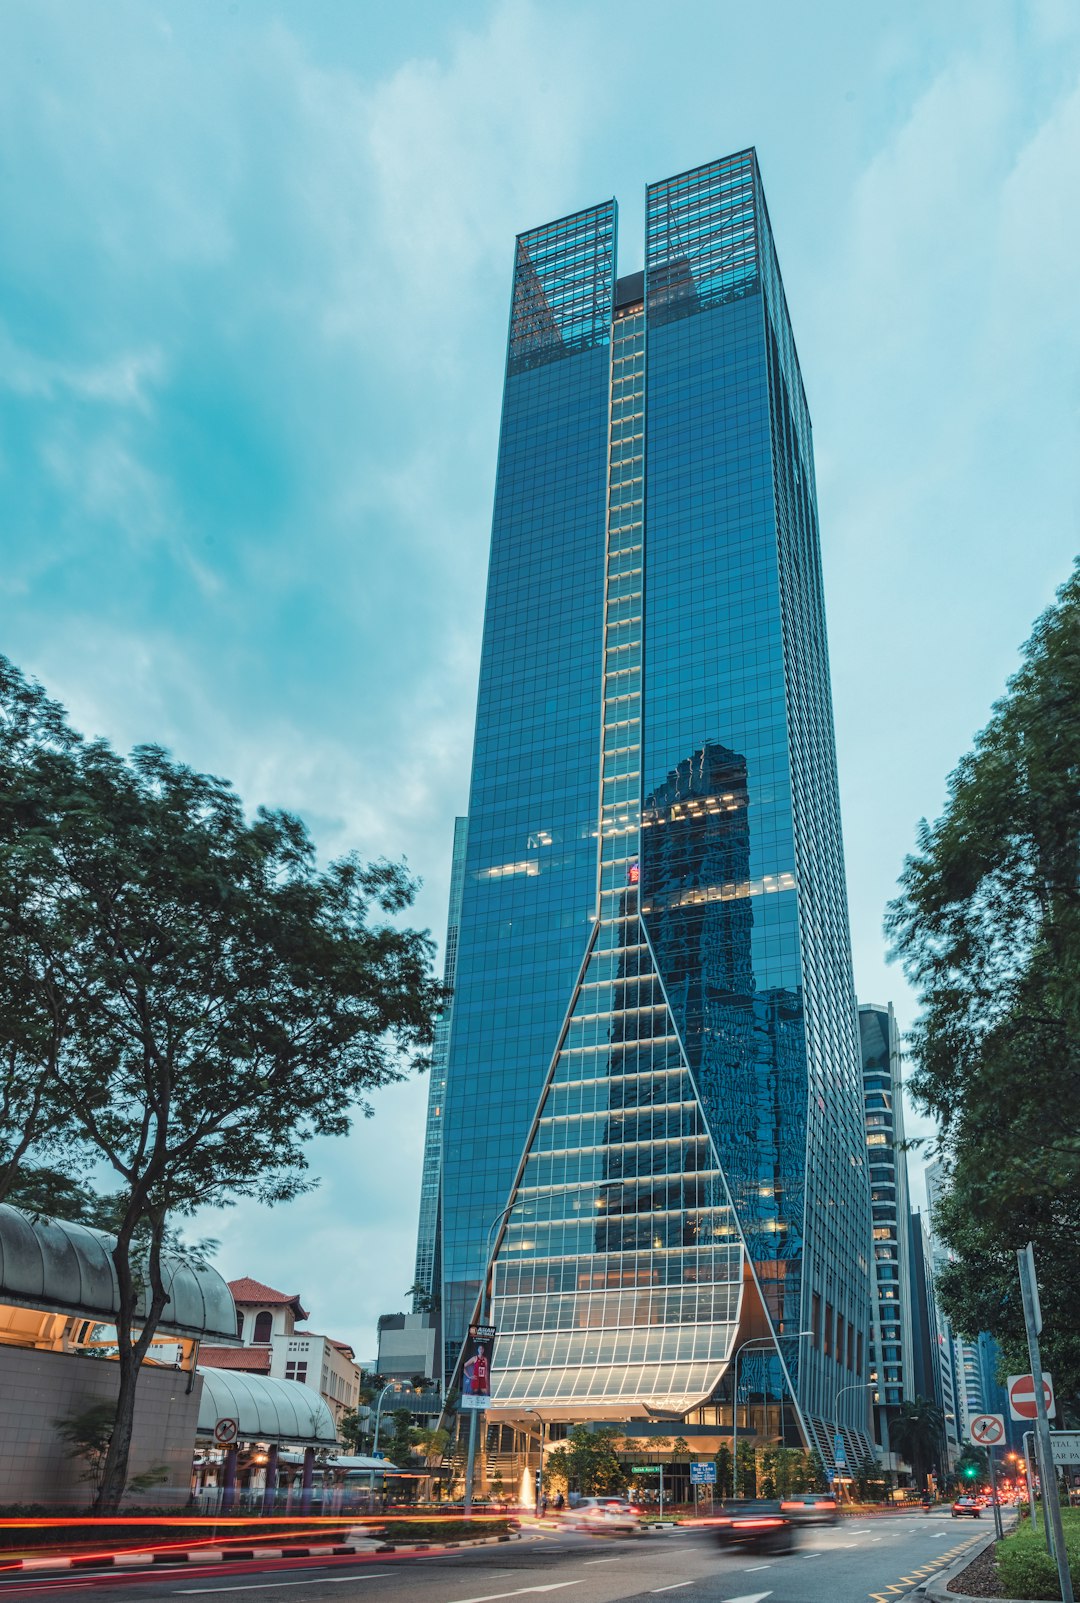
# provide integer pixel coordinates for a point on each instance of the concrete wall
(409, 1350)
(38, 1387)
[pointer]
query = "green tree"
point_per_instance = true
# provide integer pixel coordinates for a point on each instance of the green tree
(987, 923)
(587, 1462)
(972, 1468)
(206, 997)
(915, 1431)
(746, 1471)
(353, 1430)
(431, 1443)
(399, 1448)
(723, 1471)
(815, 1470)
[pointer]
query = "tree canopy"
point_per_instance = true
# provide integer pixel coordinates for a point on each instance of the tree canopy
(185, 993)
(587, 1462)
(987, 924)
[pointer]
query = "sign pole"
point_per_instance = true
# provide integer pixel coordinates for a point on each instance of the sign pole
(998, 1527)
(1029, 1459)
(470, 1462)
(1051, 1506)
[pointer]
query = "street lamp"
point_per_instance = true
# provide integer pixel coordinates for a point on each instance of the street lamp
(391, 1385)
(751, 1341)
(540, 1471)
(859, 1385)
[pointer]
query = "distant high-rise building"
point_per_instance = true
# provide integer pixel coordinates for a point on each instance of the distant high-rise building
(427, 1274)
(652, 1130)
(952, 1396)
(926, 1374)
(893, 1352)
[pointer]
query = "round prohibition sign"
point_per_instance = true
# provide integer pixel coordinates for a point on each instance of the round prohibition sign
(987, 1430)
(226, 1431)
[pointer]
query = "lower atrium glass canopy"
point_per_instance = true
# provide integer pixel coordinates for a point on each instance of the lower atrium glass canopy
(618, 1280)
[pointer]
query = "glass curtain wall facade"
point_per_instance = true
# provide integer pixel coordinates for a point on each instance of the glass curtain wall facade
(653, 1127)
(893, 1336)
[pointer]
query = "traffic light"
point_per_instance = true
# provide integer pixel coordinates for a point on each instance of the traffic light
(970, 1471)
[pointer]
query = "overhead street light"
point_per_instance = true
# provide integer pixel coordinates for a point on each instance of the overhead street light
(751, 1341)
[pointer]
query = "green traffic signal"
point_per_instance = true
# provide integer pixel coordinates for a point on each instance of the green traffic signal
(970, 1471)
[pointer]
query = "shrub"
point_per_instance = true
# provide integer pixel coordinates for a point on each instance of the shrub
(1026, 1569)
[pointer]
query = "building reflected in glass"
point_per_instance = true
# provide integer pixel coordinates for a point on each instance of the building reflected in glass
(653, 1067)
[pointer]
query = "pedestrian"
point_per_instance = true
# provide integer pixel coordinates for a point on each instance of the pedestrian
(560, 1502)
(543, 1504)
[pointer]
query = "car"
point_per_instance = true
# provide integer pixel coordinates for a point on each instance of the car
(966, 1506)
(758, 1523)
(604, 1514)
(811, 1508)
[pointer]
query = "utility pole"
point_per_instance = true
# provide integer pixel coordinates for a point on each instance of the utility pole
(1029, 1290)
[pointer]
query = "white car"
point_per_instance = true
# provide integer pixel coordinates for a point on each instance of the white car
(604, 1514)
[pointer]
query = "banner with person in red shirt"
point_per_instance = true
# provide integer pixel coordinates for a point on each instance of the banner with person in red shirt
(476, 1370)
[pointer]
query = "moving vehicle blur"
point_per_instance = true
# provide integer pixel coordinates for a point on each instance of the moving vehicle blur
(811, 1508)
(758, 1524)
(604, 1514)
(966, 1506)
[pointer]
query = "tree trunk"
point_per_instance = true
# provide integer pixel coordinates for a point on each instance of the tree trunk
(114, 1476)
(130, 1356)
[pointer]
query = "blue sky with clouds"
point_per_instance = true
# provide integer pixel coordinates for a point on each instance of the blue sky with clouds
(254, 268)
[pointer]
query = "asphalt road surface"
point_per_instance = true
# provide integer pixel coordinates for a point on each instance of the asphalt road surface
(876, 1560)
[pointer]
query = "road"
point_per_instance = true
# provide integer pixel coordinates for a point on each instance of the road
(873, 1560)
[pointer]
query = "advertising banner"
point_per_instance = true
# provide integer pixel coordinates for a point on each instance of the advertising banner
(476, 1370)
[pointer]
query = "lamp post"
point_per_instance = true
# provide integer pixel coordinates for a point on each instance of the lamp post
(540, 1471)
(751, 1341)
(470, 1463)
(859, 1385)
(391, 1385)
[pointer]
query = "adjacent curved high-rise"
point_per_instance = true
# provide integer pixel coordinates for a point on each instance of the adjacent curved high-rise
(651, 1131)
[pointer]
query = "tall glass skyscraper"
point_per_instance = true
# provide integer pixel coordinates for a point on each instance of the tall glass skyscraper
(652, 1132)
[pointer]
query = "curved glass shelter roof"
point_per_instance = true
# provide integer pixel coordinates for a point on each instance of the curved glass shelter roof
(67, 1268)
(265, 1410)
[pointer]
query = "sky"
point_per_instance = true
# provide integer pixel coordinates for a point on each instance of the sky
(254, 274)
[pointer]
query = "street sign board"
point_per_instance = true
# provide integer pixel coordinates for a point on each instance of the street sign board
(226, 1431)
(839, 1451)
(645, 1469)
(702, 1474)
(1065, 1447)
(1022, 1396)
(987, 1430)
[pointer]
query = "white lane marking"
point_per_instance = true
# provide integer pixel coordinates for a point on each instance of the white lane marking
(811, 1555)
(673, 1588)
(751, 1597)
(522, 1591)
(748, 1567)
(602, 1560)
(274, 1586)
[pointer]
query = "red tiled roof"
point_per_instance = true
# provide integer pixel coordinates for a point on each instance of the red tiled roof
(245, 1290)
(342, 1347)
(256, 1359)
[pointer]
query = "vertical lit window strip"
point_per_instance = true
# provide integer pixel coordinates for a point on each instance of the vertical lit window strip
(620, 784)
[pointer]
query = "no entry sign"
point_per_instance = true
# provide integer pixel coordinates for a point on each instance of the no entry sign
(987, 1430)
(1022, 1396)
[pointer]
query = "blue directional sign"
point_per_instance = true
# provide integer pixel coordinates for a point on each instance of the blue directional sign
(702, 1474)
